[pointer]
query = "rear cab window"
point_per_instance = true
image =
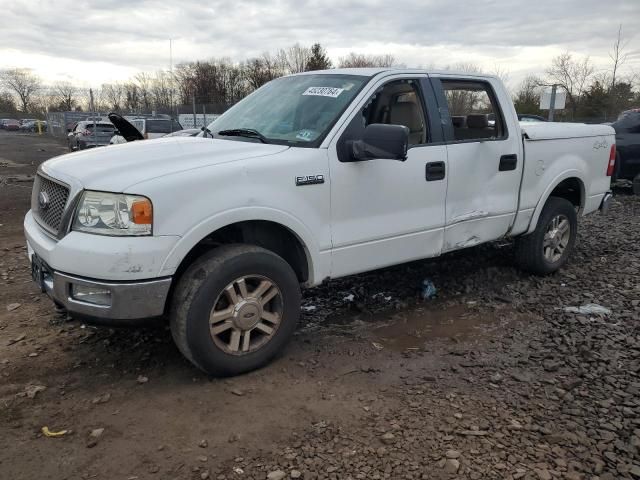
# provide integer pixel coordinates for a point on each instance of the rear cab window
(474, 111)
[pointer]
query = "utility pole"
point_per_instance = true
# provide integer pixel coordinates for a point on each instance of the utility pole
(552, 102)
(194, 110)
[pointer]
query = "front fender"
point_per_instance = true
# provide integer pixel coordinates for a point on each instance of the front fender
(318, 263)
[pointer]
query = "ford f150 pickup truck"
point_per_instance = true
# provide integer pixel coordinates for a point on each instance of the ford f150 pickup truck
(313, 176)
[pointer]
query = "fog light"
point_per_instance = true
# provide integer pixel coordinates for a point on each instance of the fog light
(95, 295)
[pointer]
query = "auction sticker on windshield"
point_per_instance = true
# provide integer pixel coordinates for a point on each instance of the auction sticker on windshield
(332, 92)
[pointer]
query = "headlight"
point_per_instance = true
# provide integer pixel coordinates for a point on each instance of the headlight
(105, 213)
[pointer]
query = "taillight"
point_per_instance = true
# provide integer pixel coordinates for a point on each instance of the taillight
(612, 161)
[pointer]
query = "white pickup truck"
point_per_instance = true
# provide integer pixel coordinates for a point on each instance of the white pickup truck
(313, 176)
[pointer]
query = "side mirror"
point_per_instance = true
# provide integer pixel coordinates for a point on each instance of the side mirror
(382, 141)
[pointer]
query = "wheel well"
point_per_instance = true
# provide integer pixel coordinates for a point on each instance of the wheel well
(269, 235)
(570, 189)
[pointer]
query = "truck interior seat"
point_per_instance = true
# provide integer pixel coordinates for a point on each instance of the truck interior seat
(458, 121)
(476, 125)
(407, 114)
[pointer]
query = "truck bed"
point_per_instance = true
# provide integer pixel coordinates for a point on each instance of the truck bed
(557, 151)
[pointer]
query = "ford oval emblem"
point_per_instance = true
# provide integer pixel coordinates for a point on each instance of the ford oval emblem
(43, 200)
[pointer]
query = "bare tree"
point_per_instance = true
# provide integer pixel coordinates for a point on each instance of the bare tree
(618, 56)
(24, 83)
(501, 72)
(295, 58)
(572, 75)
(131, 96)
(113, 93)
(162, 90)
(466, 67)
(143, 80)
(360, 60)
(65, 95)
(260, 70)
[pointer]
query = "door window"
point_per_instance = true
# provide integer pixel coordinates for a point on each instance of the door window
(474, 111)
(399, 103)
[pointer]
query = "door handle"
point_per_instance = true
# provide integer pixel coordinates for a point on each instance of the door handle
(508, 162)
(435, 171)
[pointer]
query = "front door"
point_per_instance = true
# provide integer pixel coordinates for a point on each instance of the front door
(485, 161)
(385, 212)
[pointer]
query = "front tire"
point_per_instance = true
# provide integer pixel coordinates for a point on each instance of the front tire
(547, 249)
(234, 309)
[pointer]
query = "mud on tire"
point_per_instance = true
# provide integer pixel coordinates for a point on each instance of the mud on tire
(547, 248)
(234, 309)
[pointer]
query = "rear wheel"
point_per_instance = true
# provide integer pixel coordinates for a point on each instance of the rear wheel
(234, 309)
(547, 249)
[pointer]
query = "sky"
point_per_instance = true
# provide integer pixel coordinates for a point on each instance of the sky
(90, 43)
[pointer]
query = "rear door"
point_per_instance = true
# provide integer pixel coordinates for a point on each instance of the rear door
(484, 151)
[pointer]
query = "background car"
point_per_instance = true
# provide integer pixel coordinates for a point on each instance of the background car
(89, 134)
(627, 128)
(25, 122)
(10, 124)
(528, 117)
(31, 125)
(150, 127)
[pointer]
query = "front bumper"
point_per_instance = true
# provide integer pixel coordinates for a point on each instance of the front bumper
(99, 277)
(605, 205)
(104, 300)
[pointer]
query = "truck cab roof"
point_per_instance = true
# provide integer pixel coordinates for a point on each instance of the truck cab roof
(372, 72)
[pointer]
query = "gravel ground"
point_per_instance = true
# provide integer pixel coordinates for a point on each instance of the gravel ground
(492, 379)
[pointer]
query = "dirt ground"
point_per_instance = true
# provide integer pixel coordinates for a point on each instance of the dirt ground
(492, 379)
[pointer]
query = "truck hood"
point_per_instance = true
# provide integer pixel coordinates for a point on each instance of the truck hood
(117, 167)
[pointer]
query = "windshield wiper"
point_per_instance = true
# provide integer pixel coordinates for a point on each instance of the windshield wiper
(244, 132)
(206, 132)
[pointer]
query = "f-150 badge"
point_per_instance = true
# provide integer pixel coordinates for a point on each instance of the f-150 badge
(309, 180)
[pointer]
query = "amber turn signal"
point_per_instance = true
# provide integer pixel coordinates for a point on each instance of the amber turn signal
(142, 212)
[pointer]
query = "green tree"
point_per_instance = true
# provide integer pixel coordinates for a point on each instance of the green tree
(319, 59)
(595, 101)
(527, 98)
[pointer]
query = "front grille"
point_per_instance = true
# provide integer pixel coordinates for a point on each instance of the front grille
(56, 195)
